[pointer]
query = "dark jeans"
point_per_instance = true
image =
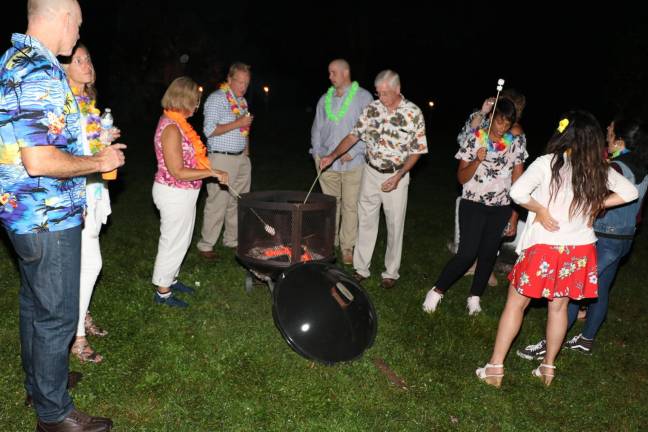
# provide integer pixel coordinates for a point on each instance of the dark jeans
(480, 234)
(49, 309)
(609, 253)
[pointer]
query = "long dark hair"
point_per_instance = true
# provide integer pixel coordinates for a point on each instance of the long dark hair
(581, 138)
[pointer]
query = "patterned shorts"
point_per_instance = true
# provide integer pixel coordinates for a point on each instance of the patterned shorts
(548, 271)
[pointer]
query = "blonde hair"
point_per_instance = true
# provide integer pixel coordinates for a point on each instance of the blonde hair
(238, 67)
(183, 94)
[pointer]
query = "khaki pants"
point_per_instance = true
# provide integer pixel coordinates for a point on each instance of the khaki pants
(220, 206)
(394, 204)
(345, 187)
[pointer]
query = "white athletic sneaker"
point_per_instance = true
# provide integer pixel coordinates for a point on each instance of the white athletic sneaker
(432, 300)
(473, 305)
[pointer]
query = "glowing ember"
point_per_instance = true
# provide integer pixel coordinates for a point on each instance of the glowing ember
(282, 253)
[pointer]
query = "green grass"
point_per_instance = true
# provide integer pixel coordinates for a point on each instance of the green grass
(221, 365)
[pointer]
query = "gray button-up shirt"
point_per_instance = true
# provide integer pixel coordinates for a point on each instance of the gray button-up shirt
(326, 134)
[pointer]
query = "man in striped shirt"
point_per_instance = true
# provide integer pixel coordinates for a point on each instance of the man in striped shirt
(227, 127)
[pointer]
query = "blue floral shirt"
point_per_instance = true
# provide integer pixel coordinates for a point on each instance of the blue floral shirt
(37, 108)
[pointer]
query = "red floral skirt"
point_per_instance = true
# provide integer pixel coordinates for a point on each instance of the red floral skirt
(548, 271)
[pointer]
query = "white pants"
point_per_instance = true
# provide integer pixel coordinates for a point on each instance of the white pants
(96, 215)
(177, 216)
(394, 204)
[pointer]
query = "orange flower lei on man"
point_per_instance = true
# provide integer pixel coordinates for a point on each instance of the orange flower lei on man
(200, 151)
(235, 107)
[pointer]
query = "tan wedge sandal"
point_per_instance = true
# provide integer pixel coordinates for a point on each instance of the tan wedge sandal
(494, 380)
(546, 375)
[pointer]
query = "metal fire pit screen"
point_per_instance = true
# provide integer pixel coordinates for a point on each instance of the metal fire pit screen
(276, 230)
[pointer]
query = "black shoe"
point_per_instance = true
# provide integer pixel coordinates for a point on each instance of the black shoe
(534, 352)
(76, 421)
(580, 344)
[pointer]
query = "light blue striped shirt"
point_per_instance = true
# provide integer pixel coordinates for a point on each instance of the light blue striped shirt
(326, 134)
(217, 111)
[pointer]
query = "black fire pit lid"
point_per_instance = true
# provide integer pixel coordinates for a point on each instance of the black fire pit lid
(322, 313)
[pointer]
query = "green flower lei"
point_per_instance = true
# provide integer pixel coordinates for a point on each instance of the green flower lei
(345, 104)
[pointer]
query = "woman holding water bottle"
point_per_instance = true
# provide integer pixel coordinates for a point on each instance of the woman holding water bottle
(81, 76)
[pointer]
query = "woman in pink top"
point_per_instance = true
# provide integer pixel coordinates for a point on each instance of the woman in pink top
(181, 168)
(563, 190)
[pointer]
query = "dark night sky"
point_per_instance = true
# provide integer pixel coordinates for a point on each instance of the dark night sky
(571, 56)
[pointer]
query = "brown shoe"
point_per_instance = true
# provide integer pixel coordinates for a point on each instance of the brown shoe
(347, 257)
(358, 277)
(208, 255)
(388, 283)
(76, 421)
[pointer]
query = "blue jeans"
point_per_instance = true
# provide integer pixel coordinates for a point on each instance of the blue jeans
(609, 253)
(49, 265)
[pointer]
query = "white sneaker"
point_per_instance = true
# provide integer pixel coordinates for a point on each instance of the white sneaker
(473, 305)
(432, 300)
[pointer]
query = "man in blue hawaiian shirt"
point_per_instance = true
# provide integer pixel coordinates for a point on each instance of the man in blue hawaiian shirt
(42, 201)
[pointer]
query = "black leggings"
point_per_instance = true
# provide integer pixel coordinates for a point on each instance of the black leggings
(480, 234)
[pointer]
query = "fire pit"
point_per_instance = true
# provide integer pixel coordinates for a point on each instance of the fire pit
(302, 232)
(321, 312)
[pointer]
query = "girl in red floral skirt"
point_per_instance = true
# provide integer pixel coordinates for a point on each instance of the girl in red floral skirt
(563, 190)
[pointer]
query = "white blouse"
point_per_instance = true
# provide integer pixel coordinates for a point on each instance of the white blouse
(535, 182)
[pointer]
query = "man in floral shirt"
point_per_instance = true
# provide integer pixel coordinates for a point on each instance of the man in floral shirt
(42, 200)
(393, 129)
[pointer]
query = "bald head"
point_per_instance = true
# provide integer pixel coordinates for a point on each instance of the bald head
(55, 24)
(339, 73)
(49, 9)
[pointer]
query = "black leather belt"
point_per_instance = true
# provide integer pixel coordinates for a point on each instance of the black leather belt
(385, 170)
(226, 153)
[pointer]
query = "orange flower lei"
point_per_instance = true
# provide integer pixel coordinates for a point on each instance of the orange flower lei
(200, 150)
(235, 107)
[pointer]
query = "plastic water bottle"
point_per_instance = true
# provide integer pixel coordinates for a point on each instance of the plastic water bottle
(105, 137)
(106, 126)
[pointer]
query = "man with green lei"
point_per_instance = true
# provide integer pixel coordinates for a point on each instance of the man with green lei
(337, 112)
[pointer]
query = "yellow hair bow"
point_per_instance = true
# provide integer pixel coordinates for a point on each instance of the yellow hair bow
(562, 125)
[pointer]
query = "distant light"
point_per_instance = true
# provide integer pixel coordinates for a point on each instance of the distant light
(431, 104)
(200, 89)
(184, 58)
(266, 89)
(305, 327)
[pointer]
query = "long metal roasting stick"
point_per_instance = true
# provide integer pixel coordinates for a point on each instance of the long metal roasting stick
(319, 173)
(500, 85)
(267, 227)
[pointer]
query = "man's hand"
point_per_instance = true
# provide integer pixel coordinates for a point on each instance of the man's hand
(325, 162)
(346, 157)
(111, 157)
(244, 121)
(391, 183)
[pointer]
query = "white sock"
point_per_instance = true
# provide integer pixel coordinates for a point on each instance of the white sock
(165, 295)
